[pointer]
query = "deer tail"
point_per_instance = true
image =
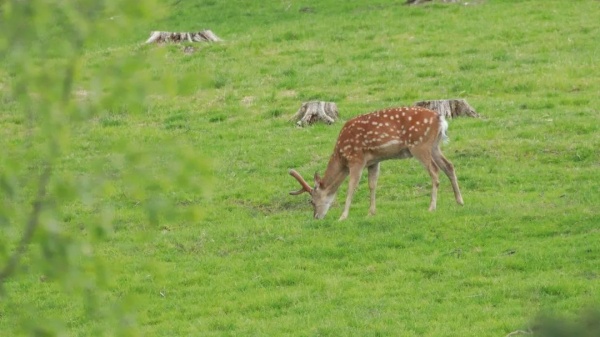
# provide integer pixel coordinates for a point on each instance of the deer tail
(443, 129)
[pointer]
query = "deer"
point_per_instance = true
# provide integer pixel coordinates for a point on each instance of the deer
(367, 140)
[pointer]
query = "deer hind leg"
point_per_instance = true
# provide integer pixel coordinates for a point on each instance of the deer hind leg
(355, 172)
(448, 169)
(373, 175)
(425, 157)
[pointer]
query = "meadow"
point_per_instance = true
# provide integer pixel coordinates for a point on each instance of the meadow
(249, 260)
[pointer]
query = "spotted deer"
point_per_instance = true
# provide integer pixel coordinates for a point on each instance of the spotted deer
(366, 140)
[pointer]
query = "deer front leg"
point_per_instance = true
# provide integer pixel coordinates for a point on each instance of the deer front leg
(353, 183)
(373, 175)
(425, 157)
(435, 183)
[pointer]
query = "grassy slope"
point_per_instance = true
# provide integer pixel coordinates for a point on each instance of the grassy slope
(526, 240)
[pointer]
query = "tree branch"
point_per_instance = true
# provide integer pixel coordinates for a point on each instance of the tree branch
(32, 224)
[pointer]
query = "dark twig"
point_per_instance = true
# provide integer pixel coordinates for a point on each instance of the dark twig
(32, 224)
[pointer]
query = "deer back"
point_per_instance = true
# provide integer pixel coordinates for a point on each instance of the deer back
(388, 133)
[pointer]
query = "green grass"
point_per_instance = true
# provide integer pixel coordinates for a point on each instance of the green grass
(255, 263)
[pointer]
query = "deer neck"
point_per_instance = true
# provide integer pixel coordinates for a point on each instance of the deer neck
(335, 174)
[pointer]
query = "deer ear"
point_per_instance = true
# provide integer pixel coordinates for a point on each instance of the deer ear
(317, 180)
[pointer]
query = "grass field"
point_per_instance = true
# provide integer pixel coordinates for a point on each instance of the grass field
(253, 262)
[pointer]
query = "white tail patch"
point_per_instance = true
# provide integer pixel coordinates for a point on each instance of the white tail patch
(444, 129)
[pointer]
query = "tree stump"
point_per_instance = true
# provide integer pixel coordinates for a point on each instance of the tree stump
(314, 111)
(449, 108)
(201, 36)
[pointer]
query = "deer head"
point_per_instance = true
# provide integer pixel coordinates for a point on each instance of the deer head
(320, 199)
(366, 140)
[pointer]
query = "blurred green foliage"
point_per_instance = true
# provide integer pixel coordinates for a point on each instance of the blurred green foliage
(53, 95)
(587, 325)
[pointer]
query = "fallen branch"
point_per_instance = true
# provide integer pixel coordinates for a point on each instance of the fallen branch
(202, 36)
(520, 332)
(419, 2)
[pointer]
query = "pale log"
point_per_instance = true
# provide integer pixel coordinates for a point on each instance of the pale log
(449, 108)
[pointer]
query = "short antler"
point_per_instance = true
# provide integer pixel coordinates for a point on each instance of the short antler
(305, 186)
